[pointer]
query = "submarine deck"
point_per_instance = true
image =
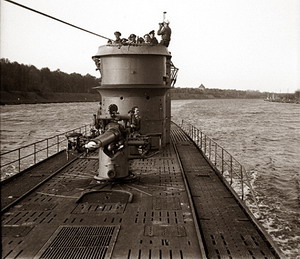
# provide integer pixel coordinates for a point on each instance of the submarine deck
(175, 207)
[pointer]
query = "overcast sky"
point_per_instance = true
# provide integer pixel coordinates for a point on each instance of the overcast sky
(226, 44)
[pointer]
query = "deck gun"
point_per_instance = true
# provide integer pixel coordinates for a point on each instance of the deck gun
(118, 141)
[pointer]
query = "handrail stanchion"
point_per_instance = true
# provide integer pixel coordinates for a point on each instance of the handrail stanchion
(34, 153)
(230, 170)
(47, 147)
(222, 160)
(19, 160)
(209, 148)
(201, 142)
(204, 144)
(242, 183)
(57, 142)
(216, 150)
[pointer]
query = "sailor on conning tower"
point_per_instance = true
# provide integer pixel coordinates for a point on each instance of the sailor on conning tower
(165, 32)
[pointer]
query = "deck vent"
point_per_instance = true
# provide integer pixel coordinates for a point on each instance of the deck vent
(80, 242)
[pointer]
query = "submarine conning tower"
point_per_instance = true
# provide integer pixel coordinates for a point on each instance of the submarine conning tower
(138, 76)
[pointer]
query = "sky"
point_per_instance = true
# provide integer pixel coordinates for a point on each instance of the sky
(232, 44)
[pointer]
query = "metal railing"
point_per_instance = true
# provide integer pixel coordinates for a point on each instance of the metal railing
(232, 171)
(17, 160)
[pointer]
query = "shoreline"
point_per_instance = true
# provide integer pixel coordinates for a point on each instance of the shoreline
(14, 97)
(18, 97)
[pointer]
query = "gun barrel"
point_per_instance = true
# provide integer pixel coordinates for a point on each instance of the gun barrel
(107, 137)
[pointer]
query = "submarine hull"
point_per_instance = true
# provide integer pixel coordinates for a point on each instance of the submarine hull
(176, 207)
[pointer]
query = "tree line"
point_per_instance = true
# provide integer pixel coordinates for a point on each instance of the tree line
(28, 78)
(196, 93)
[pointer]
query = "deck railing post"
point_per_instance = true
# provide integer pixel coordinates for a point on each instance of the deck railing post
(242, 181)
(205, 144)
(222, 160)
(57, 143)
(216, 150)
(230, 170)
(209, 154)
(201, 141)
(47, 147)
(194, 131)
(19, 159)
(34, 153)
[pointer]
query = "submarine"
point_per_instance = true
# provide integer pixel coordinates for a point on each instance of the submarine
(135, 185)
(132, 185)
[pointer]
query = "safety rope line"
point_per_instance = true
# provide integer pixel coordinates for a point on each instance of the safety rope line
(49, 16)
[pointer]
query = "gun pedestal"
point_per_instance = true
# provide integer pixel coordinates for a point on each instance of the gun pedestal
(115, 167)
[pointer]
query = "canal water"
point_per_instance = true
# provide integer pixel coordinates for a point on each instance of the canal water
(263, 136)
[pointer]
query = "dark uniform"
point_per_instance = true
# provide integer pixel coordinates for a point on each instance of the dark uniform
(153, 40)
(165, 32)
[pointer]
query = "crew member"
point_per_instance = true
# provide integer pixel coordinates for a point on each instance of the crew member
(118, 39)
(132, 39)
(135, 119)
(147, 39)
(153, 39)
(165, 32)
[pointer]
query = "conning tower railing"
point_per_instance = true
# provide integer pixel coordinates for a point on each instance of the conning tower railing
(233, 172)
(174, 71)
(17, 160)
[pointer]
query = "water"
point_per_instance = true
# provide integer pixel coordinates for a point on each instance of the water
(263, 136)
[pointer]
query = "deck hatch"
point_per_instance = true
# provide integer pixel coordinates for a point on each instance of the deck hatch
(80, 242)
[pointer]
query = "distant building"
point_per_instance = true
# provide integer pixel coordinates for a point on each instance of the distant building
(202, 87)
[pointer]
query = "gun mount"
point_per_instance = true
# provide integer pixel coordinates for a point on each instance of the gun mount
(118, 140)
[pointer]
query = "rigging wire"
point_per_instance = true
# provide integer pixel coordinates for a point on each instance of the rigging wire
(56, 19)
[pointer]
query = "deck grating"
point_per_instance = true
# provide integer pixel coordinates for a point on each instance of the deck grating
(67, 216)
(80, 242)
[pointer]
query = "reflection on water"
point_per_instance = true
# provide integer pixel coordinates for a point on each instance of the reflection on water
(263, 136)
